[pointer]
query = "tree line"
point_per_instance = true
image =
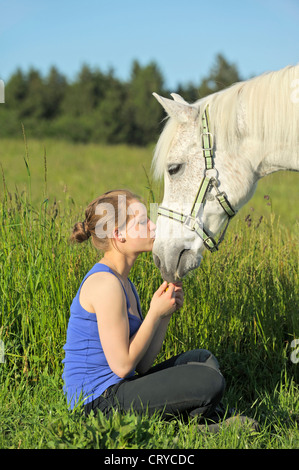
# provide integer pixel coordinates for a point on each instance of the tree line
(97, 106)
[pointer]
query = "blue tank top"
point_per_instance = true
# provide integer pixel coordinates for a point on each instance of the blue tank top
(86, 371)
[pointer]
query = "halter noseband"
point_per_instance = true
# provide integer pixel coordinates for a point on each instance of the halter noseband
(191, 221)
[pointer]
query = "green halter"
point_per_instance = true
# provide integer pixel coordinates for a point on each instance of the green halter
(191, 221)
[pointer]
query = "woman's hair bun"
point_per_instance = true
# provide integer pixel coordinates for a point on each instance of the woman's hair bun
(80, 232)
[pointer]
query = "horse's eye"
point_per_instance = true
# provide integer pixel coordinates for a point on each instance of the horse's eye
(174, 168)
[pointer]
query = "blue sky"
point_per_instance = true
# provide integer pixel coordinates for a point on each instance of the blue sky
(182, 36)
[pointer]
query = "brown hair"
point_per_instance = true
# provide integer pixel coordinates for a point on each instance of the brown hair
(82, 231)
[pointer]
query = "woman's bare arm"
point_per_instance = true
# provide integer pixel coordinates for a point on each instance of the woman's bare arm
(109, 303)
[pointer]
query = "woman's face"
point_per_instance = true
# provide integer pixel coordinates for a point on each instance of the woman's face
(140, 231)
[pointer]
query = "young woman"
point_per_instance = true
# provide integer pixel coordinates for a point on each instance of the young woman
(110, 347)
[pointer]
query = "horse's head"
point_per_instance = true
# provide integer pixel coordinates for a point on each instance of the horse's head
(211, 168)
(181, 240)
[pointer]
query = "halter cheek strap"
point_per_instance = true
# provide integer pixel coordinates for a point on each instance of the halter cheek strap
(191, 220)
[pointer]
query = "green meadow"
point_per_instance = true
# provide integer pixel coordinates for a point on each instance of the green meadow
(242, 303)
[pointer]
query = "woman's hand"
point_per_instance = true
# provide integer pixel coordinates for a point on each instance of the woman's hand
(167, 299)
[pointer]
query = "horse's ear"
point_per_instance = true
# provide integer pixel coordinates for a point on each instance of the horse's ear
(178, 109)
(178, 98)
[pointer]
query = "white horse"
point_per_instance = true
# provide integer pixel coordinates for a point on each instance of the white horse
(252, 130)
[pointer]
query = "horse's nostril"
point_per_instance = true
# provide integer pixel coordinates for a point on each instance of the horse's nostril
(181, 253)
(157, 261)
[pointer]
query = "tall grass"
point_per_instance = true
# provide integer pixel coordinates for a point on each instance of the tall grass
(242, 304)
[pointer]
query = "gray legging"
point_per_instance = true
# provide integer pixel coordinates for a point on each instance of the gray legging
(188, 384)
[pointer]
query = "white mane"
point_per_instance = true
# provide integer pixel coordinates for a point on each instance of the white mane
(266, 108)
